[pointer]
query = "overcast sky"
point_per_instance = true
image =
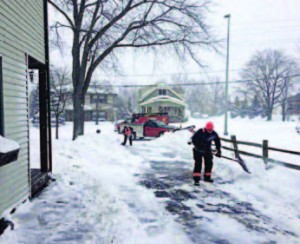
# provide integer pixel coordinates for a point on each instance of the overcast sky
(255, 25)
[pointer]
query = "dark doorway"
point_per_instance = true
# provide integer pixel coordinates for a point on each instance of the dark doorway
(38, 74)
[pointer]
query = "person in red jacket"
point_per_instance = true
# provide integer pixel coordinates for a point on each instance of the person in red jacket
(128, 133)
(202, 140)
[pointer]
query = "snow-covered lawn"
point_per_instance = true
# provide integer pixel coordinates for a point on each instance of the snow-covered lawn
(108, 193)
(279, 134)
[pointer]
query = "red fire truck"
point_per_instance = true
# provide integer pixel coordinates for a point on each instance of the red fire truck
(147, 125)
(141, 118)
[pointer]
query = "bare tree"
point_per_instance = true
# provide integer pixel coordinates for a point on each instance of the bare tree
(196, 96)
(102, 28)
(287, 85)
(217, 96)
(60, 82)
(268, 71)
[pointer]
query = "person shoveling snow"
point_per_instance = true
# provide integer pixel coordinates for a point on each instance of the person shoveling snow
(202, 140)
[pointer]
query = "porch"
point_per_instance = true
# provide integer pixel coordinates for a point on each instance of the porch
(39, 181)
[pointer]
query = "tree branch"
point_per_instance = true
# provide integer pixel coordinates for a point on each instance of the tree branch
(62, 12)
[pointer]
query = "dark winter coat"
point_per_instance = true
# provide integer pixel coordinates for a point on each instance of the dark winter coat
(202, 141)
(127, 129)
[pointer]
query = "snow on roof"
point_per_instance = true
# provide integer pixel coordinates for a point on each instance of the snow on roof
(70, 107)
(147, 93)
(7, 145)
(159, 86)
(92, 90)
(99, 90)
(164, 99)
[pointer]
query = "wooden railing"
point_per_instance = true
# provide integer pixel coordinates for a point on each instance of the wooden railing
(265, 151)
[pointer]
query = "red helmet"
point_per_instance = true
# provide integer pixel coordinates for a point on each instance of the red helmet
(209, 126)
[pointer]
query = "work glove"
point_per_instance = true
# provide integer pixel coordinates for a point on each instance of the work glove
(218, 154)
(190, 143)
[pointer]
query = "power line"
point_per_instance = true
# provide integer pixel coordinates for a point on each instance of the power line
(265, 22)
(187, 84)
(170, 74)
(250, 43)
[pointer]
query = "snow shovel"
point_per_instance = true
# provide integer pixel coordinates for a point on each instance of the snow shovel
(184, 128)
(240, 161)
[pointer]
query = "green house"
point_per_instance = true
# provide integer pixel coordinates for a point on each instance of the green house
(23, 52)
(162, 98)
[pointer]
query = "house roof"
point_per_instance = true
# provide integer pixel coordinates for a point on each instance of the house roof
(91, 107)
(164, 99)
(148, 92)
(294, 98)
(97, 90)
(93, 90)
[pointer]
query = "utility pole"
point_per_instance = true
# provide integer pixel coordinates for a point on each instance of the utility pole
(227, 77)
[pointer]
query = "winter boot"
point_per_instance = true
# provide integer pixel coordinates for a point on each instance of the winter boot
(208, 179)
(197, 183)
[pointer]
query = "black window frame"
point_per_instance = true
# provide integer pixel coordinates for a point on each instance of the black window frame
(101, 98)
(162, 92)
(1, 99)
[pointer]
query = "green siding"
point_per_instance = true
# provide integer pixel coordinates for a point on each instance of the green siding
(21, 32)
(154, 93)
(174, 109)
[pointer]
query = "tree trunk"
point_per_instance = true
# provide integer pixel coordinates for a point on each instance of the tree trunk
(269, 115)
(82, 117)
(56, 127)
(78, 104)
(283, 112)
(97, 111)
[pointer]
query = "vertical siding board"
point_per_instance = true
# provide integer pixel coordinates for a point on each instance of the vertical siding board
(21, 32)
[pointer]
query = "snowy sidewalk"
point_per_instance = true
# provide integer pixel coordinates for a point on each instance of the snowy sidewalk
(95, 199)
(237, 207)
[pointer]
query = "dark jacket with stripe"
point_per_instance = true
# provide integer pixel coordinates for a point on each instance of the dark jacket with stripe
(202, 141)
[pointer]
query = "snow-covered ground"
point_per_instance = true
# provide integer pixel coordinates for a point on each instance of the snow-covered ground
(108, 193)
(279, 134)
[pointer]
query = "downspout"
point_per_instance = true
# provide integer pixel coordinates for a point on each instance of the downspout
(47, 62)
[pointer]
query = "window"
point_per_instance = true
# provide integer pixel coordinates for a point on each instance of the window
(101, 115)
(100, 98)
(149, 110)
(162, 92)
(87, 115)
(1, 101)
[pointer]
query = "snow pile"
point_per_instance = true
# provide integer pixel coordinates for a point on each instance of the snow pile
(7, 145)
(96, 197)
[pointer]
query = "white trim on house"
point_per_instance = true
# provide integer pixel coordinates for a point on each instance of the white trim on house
(148, 92)
(164, 99)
